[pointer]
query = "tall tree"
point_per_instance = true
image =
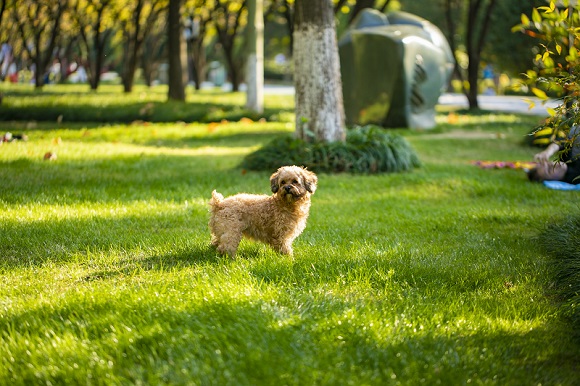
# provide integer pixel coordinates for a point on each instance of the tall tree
(318, 97)
(135, 19)
(198, 22)
(38, 23)
(95, 28)
(255, 59)
(478, 21)
(227, 17)
(2, 9)
(154, 50)
(174, 42)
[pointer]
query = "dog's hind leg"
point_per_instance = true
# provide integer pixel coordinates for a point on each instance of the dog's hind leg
(214, 240)
(228, 243)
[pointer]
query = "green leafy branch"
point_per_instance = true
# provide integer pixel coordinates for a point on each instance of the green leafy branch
(556, 62)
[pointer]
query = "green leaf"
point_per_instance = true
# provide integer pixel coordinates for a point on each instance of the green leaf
(536, 16)
(549, 62)
(539, 93)
(573, 54)
(525, 19)
(531, 74)
(531, 103)
(546, 56)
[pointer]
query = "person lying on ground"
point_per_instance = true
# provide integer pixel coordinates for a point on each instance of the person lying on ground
(567, 168)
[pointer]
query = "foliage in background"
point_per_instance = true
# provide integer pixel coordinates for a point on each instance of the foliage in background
(504, 51)
(367, 149)
(557, 64)
(95, 33)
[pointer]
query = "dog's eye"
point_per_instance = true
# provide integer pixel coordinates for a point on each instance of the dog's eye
(282, 182)
(294, 181)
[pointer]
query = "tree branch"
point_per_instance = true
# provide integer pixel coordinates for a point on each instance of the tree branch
(485, 26)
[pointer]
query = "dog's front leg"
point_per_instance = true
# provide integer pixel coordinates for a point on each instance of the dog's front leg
(283, 246)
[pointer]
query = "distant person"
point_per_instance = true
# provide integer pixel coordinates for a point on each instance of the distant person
(82, 74)
(567, 169)
(5, 59)
(488, 72)
(489, 80)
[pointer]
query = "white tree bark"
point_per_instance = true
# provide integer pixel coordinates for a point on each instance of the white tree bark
(319, 102)
(255, 60)
(255, 83)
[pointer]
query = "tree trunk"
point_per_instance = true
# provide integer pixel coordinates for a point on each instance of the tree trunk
(175, 37)
(132, 48)
(99, 42)
(318, 97)
(2, 9)
(94, 64)
(94, 45)
(227, 22)
(38, 72)
(255, 60)
(233, 68)
(472, 54)
(290, 25)
(478, 19)
(129, 71)
(198, 62)
(473, 80)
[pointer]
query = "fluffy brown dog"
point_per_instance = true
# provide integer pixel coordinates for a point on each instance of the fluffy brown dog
(275, 220)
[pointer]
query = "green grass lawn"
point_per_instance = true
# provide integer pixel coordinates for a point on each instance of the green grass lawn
(429, 277)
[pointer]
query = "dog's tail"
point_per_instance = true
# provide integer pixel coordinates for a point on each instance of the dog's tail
(216, 199)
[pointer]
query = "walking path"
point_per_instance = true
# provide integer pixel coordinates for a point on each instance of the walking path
(499, 103)
(503, 103)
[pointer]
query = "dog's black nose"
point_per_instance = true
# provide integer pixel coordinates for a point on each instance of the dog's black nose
(287, 188)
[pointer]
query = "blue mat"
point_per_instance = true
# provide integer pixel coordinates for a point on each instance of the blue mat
(561, 185)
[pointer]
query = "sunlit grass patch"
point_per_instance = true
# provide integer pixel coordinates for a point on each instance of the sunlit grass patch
(433, 276)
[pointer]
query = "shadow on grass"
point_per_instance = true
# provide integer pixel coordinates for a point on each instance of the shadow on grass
(119, 247)
(128, 266)
(127, 112)
(167, 240)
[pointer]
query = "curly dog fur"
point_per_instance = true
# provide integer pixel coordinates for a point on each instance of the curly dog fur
(275, 220)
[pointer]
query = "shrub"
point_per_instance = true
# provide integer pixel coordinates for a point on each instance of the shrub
(557, 63)
(542, 136)
(563, 245)
(368, 149)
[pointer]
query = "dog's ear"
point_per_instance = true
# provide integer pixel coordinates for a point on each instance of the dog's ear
(310, 180)
(274, 182)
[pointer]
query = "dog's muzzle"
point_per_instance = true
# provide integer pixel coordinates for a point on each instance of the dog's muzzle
(291, 192)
